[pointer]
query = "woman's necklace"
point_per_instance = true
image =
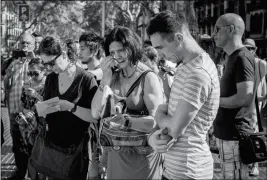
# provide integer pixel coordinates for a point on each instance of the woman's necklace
(129, 75)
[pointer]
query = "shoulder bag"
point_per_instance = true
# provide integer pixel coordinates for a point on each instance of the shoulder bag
(57, 162)
(123, 138)
(253, 146)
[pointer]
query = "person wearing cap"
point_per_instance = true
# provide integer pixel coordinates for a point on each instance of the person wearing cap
(262, 65)
(261, 91)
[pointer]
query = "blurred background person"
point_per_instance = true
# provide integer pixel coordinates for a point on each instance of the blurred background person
(38, 38)
(73, 51)
(29, 123)
(15, 77)
(165, 73)
(91, 53)
(261, 93)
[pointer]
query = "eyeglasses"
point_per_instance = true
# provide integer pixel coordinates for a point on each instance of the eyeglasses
(52, 62)
(26, 42)
(218, 28)
(33, 73)
(251, 48)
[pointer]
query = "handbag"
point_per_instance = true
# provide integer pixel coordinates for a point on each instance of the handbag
(253, 146)
(55, 161)
(114, 138)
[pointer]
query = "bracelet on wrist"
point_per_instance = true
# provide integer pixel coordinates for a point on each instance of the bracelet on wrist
(128, 122)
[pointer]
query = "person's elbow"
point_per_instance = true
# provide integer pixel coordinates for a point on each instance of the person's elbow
(245, 100)
(95, 113)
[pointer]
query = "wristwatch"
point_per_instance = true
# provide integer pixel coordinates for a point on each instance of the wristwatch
(128, 122)
(72, 110)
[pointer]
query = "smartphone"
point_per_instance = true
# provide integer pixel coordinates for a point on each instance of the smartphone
(18, 53)
(115, 69)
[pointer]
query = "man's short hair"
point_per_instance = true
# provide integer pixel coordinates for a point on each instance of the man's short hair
(94, 42)
(166, 22)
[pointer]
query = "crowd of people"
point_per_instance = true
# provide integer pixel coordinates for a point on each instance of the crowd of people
(168, 92)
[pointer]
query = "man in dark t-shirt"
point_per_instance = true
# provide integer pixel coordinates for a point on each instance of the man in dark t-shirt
(237, 101)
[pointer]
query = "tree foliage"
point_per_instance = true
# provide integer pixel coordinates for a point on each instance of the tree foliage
(68, 19)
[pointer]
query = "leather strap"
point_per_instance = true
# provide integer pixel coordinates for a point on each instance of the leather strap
(136, 83)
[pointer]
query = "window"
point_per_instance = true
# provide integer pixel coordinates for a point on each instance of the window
(221, 9)
(215, 12)
(209, 11)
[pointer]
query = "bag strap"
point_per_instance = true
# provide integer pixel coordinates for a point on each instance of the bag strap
(136, 83)
(256, 99)
(258, 114)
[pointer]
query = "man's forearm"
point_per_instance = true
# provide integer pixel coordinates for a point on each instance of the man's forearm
(231, 102)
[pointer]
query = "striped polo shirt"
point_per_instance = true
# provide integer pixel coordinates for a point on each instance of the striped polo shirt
(197, 83)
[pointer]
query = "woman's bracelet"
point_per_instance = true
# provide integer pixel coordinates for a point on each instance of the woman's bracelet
(128, 122)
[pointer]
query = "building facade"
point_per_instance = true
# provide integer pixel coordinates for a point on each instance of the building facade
(11, 28)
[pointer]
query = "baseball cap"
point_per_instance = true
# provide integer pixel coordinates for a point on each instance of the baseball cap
(249, 43)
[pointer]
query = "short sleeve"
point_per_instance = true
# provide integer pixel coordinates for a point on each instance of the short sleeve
(89, 90)
(196, 88)
(244, 70)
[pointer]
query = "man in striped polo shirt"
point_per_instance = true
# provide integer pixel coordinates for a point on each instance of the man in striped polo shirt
(193, 103)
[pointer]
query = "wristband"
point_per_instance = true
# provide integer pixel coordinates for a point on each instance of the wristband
(128, 122)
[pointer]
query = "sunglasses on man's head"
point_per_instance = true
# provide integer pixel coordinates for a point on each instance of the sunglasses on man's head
(33, 73)
(52, 62)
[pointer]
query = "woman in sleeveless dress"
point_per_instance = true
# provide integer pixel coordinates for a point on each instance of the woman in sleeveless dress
(121, 68)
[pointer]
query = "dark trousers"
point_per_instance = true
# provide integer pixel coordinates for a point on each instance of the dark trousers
(21, 158)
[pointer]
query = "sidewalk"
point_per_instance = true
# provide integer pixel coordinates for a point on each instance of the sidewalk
(8, 164)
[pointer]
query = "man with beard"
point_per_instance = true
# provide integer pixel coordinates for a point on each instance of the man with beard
(16, 76)
(91, 53)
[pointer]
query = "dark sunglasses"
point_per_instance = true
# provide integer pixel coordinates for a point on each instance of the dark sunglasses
(33, 73)
(52, 62)
(251, 48)
(25, 42)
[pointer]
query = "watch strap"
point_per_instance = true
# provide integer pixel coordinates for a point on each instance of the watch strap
(74, 108)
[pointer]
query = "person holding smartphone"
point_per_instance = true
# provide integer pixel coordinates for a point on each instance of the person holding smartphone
(32, 92)
(15, 77)
(121, 68)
